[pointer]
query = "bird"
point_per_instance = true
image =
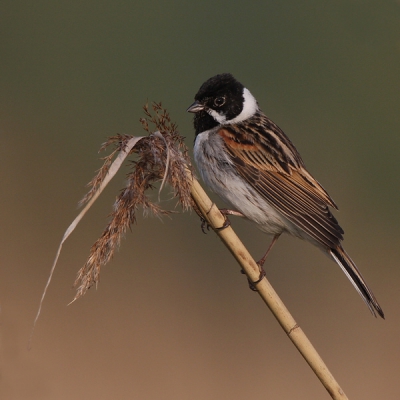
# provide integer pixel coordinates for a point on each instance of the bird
(250, 163)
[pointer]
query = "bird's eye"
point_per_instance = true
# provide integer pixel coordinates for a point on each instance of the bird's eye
(219, 101)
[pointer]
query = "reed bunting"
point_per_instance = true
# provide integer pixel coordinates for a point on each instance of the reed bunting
(252, 165)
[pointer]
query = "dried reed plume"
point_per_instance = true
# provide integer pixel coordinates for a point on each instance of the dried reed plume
(161, 157)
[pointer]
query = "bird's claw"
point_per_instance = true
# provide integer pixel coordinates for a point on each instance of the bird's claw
(252, 285)
(226, 223)
(204, 225)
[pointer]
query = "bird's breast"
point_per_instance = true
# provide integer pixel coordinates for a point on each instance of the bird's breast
(220, 175)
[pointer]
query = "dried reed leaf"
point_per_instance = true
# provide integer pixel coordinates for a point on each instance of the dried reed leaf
(98, 184)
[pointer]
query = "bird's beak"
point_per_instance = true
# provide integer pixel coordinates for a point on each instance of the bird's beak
(195, 107)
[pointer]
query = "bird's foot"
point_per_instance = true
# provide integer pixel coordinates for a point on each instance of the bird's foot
(252, 285)
(225, 212)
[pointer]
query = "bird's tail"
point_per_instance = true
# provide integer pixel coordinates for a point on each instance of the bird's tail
(355, 277)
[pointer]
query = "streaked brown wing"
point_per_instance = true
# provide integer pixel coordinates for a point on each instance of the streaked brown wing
(281, 178)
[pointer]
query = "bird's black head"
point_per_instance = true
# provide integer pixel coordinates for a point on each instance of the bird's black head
(221, 100)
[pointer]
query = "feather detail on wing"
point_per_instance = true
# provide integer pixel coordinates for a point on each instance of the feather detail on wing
(270, 164)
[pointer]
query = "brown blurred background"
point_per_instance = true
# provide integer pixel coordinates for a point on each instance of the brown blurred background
(172, 316)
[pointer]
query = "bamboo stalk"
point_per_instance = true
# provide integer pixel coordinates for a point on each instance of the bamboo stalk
(214, 217)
